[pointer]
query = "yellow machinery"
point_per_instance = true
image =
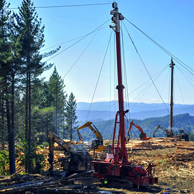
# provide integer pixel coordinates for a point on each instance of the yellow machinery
(76, 157)
(181, 136)
(167, 132)
(97, 145)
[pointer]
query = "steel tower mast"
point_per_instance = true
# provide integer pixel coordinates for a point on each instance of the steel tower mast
(118, 166)
(121, 113)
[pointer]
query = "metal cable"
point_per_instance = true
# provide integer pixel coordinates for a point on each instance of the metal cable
(189, 69)
(128, 94)
(146, 68)
(185, 76)
(59, 6)
(167, 75)
(76, 42)
(61, 51)
(183, 100)
(125, 71)
(67, 41)
(62, 78)
(99, 76)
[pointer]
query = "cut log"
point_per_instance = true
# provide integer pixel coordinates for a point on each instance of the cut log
(25, 186)
(42, 183)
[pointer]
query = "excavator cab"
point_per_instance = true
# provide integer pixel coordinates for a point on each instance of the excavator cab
(96, 143)
(142, 135)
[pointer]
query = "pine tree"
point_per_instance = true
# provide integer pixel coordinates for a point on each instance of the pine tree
(43, 111)
(8, 69)
(71, 116)
(56, 88)
(31, 32)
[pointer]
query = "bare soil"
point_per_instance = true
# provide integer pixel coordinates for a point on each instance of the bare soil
(174, 169)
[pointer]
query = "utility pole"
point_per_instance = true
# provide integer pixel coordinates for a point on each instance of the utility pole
(171, 98)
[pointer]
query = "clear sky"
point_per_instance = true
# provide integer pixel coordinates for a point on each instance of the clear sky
(170, 23)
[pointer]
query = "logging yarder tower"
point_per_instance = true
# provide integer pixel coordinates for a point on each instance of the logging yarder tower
(118, 166)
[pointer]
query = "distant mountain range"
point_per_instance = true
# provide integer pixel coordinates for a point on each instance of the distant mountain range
(107, 110)
(106, 127)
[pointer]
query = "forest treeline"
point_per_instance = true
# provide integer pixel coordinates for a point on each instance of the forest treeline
(30, 107)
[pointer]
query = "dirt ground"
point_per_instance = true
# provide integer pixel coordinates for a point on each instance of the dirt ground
(174, 169)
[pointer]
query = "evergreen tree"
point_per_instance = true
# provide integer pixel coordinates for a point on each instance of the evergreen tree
(71, 116)
(42, 111)
(31, 32)
(7, 73)
(56, 88)
(48, 109)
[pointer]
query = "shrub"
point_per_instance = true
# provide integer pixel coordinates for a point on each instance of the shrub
(4, 157)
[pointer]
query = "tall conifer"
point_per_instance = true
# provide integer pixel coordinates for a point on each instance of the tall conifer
(7, 73)
(56, 88)
(71, 116)
(31, 31)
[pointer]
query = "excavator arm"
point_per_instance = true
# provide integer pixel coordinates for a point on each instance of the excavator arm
(137, 126)
(156, 130)
(93, 128)
(142, 134)
(52, 139)
(167, 132)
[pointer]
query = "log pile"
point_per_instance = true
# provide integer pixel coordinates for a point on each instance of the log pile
(161, 143)
(138, 145)
(153, 143)
(184, 152)
(58, 147)
(183, 146)
(31, 183)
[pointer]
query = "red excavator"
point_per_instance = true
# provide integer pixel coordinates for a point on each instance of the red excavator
(142, 135)
(117, 167)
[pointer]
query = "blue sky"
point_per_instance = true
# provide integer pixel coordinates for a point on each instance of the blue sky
(170, 23)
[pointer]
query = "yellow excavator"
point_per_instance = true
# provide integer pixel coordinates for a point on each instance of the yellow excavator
(159, 127)
(181, 136)
(97, 145)
(76, 158)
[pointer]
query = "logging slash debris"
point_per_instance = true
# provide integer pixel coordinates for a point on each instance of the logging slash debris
(174, 166)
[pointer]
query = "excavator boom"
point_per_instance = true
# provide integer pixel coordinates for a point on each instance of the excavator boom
(142, 134)
(97, 145)
(159, 127)
(181, 136)
(93, 128)
(54, 138)
(137, 126)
